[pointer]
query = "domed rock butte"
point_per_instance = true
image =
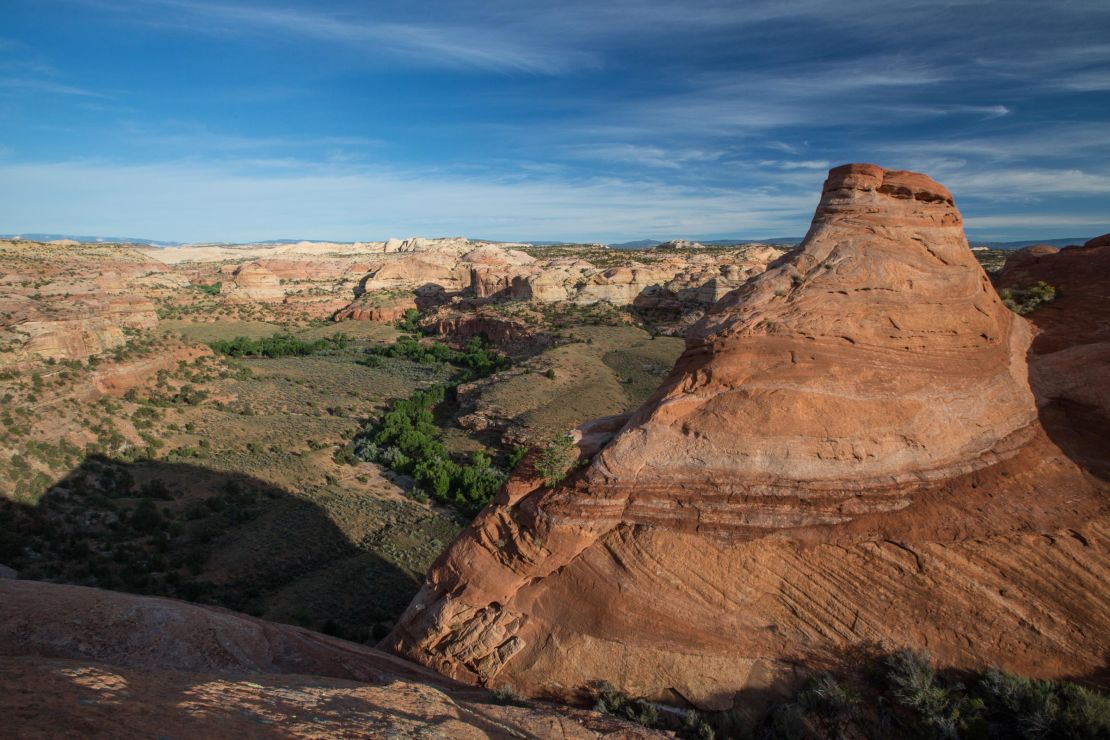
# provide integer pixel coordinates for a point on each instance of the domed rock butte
(878, 354)
(846, 457)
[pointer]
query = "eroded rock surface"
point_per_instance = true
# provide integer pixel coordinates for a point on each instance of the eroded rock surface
(848, 456)
(1070, 358)
(83, 662)
(78, 304)
(252, 281)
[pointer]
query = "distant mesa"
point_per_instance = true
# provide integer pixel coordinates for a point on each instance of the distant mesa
(847, 457)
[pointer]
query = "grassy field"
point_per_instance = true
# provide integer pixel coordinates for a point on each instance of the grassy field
(610, 370)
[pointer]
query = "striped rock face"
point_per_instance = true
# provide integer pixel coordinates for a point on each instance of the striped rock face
(847, 455)
(875, 356)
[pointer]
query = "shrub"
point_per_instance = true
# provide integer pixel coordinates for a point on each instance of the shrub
(410, 322)
(1028, 708)
(942, 709)
(408, 441)
(516, 455)
(557, 459)
(345, 455)
(507, 695)
(612, 701)
(1023, 301)
(828, 697)
(156, 489)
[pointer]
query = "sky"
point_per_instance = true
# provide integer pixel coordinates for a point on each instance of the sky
(578, 120)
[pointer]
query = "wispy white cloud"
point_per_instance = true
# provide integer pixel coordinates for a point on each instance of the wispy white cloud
(805, 164)
(186, 136)
(646, 156)
(1095, 80)
(672, 116)
(24, 84)
(1022, 183)
(1044, 140)
(254, 199)
(436, 44)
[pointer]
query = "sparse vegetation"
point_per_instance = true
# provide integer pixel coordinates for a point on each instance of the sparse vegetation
(1024, 301)
(904, 696)
(209, 289)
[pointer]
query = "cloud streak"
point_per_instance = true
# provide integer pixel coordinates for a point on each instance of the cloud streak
(451, 45)
(367, 203)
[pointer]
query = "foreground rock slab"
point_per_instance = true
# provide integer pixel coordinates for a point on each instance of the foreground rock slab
(80, 662)
(847, 458)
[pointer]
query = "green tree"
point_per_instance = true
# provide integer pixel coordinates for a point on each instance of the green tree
(557, 459)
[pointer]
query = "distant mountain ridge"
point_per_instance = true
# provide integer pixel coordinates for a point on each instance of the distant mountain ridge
(789, 241)
(1063, 242)
(36, 237)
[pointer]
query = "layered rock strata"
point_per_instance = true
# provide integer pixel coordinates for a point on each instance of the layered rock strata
(847, 457)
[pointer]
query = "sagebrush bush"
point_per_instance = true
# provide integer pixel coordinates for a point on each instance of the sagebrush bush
(1023, 301)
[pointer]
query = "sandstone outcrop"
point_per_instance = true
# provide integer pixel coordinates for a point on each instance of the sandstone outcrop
(509, 335)
(81, 326)
(418, 270)
(381, 307)
(83, 662)
(693, 281)
(421, 244)
(68, 302)
(847, 457)
(252, 281)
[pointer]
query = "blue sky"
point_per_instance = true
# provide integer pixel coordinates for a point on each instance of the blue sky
(217, 120)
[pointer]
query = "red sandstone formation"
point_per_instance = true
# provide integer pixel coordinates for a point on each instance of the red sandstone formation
(252, 281)
(377, 307)
(510, 335)
(1070, 361)
(848, 456)
(80, 662)
(414, 271)
(687, 280)
(70, 302)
